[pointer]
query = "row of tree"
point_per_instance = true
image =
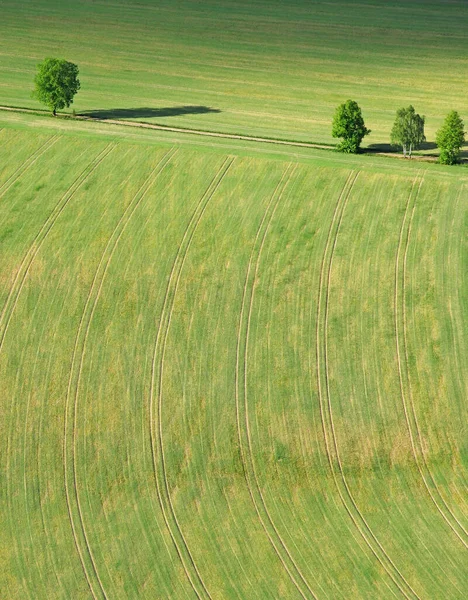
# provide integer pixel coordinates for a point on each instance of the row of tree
(57, 82)
(407, 132)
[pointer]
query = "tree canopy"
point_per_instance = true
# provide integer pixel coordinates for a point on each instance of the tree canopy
(348, 124)
(408, 130)
(56, 83)
(450, 138)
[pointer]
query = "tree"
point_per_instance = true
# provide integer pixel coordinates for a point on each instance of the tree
(348, 124)
(56, 83)
(450, 138)
(408, 130)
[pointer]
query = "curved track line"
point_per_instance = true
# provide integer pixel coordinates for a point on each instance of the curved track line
(76, 369)
(156, 428)
(86, 174)
(411, 418)
(457, 346)
(22, 273)
(28, 163)
(250, 473)
(40, 470)
(37, 242)
(326, 406)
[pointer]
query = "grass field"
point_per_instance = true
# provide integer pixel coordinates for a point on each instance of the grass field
(228, 375)
(269, 68)
(232, 370)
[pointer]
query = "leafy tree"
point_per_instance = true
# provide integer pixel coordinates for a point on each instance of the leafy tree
(348, 123)
(56, 83)
(450, 138)
(408, 130)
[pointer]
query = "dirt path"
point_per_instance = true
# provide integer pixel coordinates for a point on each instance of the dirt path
(141, 125)
(213, 134)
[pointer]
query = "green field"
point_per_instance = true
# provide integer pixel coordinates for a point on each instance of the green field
(273, 68)
(232, 370)
(229, 376)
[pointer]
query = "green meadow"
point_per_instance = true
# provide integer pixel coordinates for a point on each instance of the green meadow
(232, 370)
(269, 68)
(229, 376)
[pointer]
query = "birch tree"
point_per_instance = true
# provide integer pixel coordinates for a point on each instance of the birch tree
(408, 130)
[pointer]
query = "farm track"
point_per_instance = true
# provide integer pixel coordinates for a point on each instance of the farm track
(405, 376)
(202, 132)
(326, 409)
(156, 390)
(28, 163)
(71, 404)
(243, 426)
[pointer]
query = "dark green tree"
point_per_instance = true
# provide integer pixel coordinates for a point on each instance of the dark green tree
(348, 124)
(450, 138)
(408, 130)
(56, 83)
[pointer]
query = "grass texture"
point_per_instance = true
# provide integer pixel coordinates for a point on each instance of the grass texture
(225, 376)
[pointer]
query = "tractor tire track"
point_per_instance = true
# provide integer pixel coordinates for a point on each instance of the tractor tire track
(71, 404)
(326, 411)
(156, 393)
(243, 425)
(156, 429)
(37, 242)
(28, 163)
(404, 376)
(23, 271)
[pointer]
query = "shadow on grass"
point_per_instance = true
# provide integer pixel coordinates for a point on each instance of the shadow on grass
(464, 154)
(148, 113)
(396, 149)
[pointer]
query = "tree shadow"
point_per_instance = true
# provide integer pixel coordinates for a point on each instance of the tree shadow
(396, 149)
(148, 113)
(464, 154)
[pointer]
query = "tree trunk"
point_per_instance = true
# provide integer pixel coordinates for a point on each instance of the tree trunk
(54, 112)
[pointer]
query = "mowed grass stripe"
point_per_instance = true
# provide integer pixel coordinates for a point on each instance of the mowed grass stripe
(245, 441)
(404, 372)
(28, 163)
(156, 427)
(29, 257)
(326, 409)
(71, 406)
